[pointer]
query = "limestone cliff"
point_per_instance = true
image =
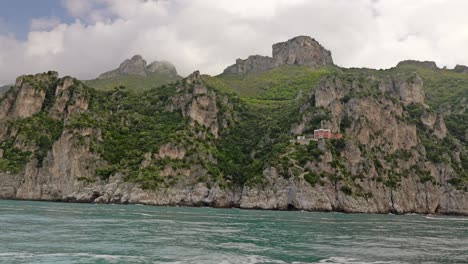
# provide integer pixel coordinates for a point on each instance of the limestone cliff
(382, 166)
(301, 50)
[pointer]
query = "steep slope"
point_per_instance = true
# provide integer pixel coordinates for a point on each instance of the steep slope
(230, 140)
(135, 73)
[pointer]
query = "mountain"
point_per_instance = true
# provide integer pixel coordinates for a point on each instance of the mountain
(301, 50)
(242, 139)
(137, 74)
(4, 89)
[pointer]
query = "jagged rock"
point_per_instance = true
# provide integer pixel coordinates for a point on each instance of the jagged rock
(328, 91)
(199, 103)
(440, 130)
(407, 89)
(70, 97)
(27, 96)
(425, 64)
(171, 151)
(252, 64)
(436, 123)
(137, 66)
(428, 119)
(461, 68)
(193, 78)
(301, 50)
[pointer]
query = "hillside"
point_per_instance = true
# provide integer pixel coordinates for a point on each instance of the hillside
(232, 140)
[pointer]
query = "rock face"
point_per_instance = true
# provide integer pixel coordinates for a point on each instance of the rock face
(137, 66)
(461, 69)
(301, 50)
(199, 104)
(26, 98)
(408, 90)
(425, 64)
(252, 64)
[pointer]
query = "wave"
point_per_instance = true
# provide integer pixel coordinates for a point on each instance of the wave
(29, 255)
(446, 218)
(344, 260)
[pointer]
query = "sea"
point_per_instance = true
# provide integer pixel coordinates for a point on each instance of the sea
(49, 232)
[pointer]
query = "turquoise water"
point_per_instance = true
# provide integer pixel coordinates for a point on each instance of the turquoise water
(44, 232)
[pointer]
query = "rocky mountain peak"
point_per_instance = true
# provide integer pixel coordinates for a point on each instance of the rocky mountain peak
(461, 68)
(424, 64)
(193, 78)
(301, 50)
(138, 66)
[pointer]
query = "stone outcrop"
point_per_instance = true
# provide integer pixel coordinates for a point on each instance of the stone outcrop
(461, 68)
(301, 50)
(27, 96)
(431, 65)
(408, 89)
(171, 151)
(200, 104)
(70, 97)
(252, 64)
(137, 66)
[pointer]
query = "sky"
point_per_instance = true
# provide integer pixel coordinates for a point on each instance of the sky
(84, 38)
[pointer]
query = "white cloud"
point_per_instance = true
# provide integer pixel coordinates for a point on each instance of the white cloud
(210, 34)
(44, 23)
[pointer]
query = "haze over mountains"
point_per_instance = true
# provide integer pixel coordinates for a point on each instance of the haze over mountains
(142, 134)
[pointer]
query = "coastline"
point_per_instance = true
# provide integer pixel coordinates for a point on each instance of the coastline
(456, 214)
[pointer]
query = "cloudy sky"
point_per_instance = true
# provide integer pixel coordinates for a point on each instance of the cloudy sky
(86, 37)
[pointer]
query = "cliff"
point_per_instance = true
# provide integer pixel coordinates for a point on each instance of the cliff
(207, 141)
(301, 50)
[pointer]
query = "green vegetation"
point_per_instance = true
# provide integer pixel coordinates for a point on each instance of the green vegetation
(131, 125)
(444, 88)
(268, 106)
(39, 130)
(282, 83)
(131, 118)
(346, 190)
(312, 178)
(12, 159)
